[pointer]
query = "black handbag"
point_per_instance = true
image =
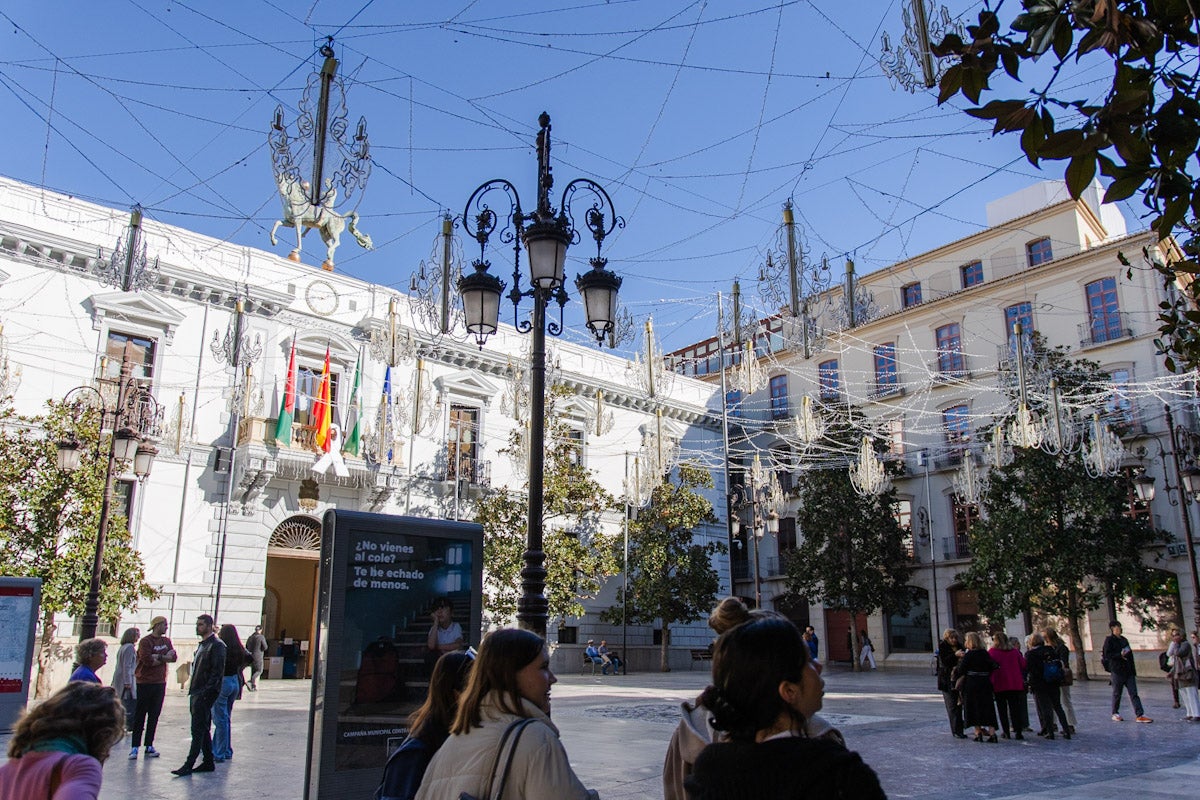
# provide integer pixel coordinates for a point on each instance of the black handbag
(514, 730)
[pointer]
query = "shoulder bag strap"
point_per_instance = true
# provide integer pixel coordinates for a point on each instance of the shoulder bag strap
(487, 791)
(512, 752)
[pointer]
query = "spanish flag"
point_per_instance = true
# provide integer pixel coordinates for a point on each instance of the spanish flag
(322, 409)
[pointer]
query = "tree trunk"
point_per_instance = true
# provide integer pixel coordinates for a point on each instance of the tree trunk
(45, 655)
(855, 644)
(664, 657)
(1081, 672)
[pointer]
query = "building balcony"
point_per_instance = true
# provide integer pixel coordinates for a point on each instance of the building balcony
(473, 478)
(1102, 329)
(950, 367)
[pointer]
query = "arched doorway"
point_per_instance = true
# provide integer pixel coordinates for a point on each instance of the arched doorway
(964, 609)
(290, 602)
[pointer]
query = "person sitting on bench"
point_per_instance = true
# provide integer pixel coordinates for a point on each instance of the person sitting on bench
(610, 657)
(593, 655)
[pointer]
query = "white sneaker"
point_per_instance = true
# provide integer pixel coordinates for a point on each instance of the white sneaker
(151, 752)
(133, 754)
(1118, 718)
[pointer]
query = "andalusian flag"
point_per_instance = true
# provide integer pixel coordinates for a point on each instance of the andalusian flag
(322, 411)
(287, 409)
(354, 416)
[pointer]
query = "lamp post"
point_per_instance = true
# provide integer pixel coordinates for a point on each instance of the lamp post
(1187, 483)
(763, 497)
(134, 418)
(546, 233)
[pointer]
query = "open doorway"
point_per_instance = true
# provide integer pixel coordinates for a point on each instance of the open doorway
(290, 599)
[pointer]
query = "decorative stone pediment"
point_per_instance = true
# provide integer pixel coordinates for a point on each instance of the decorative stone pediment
(467, 386)
(142, 309)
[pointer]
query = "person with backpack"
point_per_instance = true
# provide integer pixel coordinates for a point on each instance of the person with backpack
(1046, 673)
(428, 728)
(1183, 667)
(1053, 640)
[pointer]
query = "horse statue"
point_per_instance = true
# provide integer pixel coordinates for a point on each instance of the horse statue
(301, 214)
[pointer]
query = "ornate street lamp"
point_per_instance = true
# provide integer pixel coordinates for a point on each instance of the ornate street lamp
(546, 234)
(764, 497)
(135, 419)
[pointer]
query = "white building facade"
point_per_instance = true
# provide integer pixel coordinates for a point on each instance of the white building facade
(233, 520)
(926, 362)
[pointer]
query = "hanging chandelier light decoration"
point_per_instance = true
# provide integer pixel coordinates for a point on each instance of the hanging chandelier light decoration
(967, 480)
(1103, 453)
(128, 268)
(787, 280)
(808, 425)
(868, 475)
(437, 307)
(1026, 429)
(649, 370)
(10, 375)
(748, 375)
(912, 64)
(1061, 432)
(392, 343)
(999, 451)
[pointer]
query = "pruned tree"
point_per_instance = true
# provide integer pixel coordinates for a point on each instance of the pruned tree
(579, 554)
(48, 523)
(850, 554)
(672, 579)
(1142, 133)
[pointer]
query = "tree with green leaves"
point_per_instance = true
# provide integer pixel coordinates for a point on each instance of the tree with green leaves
(850, 554)
(1054, 537)
(579, 554)
(49, 519)
(671, 575)
(1143, 133)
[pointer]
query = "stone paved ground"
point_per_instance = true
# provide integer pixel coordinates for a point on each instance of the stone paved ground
(616, 731)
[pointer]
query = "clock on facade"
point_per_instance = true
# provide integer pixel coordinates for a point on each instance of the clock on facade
(321, 297)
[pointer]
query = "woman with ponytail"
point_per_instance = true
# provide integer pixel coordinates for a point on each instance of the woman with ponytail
(765, 689)
(695, 730)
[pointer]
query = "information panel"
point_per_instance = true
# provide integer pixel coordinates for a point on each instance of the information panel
(20, 599)
(381, 576)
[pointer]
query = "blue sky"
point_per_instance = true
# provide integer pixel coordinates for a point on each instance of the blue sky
(699, 118)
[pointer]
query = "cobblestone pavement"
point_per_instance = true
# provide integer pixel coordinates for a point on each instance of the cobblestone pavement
(616, 730)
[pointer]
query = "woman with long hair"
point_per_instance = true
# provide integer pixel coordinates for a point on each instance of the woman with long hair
(236, 658)
(124, 682)
(1055, 642)
(58, 746)
(695, 731)
(1008, 683)
(428, 728)
(765, 685)
(509, 684)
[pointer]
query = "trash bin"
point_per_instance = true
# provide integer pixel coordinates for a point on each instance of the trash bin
(274, 667)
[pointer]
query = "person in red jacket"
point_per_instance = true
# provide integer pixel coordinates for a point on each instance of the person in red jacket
(154, 652)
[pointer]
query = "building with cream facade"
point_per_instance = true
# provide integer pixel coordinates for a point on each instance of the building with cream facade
(235, 523)
(926, 362)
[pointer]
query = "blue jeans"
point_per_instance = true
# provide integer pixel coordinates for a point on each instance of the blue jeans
(222, 708)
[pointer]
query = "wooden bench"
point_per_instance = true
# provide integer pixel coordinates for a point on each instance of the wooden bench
(702, 655)
(588, 662)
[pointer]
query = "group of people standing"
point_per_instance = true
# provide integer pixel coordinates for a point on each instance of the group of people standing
(987, 689)
(61, 743)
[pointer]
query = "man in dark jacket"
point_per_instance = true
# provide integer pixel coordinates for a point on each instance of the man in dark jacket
(208, 670)
(1117, 657)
